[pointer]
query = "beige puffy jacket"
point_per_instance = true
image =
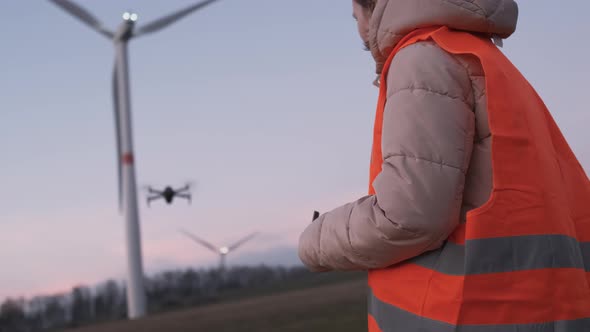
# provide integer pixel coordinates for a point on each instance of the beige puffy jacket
(436, 141)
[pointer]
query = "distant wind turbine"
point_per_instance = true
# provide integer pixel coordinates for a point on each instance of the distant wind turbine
(221, 251)
(136, 301)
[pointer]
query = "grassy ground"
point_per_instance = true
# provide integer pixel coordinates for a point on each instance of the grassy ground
(327, 303)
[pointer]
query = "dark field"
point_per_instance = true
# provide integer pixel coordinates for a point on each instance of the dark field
(328, 303)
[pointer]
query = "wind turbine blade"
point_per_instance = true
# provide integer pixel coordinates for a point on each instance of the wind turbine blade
(242, 241)
(200, 241)
(171, 18)
(83, 15)
(118, 134)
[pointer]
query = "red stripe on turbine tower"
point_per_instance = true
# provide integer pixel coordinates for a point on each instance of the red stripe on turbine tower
(127, 159)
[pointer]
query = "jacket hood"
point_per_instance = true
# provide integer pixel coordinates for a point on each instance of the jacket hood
(393, 19)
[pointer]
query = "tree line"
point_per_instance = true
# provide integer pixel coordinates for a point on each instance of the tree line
(166, 291)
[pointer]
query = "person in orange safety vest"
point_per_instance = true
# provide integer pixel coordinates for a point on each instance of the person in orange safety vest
(478, 213)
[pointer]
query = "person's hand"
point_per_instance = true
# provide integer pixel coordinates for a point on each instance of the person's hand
(316, 215)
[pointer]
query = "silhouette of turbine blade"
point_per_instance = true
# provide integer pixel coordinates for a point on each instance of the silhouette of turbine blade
(200, 241)
(83, 15)
(167, 20)
(242, 241)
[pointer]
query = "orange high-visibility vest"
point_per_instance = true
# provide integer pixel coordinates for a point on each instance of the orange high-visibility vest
(521, 262)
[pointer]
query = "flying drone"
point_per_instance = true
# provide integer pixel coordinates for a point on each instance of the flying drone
(169, 193)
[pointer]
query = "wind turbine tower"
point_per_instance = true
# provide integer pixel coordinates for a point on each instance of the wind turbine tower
(136, 299)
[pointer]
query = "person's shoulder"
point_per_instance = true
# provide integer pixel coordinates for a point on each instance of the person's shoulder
(424, 55)
(423, 49)
(425, 65)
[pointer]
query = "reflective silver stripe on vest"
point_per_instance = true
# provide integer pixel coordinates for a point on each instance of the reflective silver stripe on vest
(392, 319)
(585, 246)
(508, 254)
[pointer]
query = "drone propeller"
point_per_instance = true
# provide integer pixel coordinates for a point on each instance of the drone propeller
(83, 15)
(165, 21)
(152, 198)
(146, 188)
(188, 186)
(150, 190)
(185, 196)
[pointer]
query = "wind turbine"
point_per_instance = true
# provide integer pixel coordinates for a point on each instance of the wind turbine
(221, 251)
(136, 300)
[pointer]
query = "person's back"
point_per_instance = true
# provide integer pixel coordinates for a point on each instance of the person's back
(424, 68)
(457, 230)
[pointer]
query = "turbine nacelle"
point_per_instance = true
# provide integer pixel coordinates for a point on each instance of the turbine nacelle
(125, 31)
(221, 251)
(133, 17)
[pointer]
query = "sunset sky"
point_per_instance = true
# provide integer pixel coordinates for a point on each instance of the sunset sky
(267, 105)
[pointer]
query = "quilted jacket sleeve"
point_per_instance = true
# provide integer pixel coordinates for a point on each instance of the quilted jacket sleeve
(428, 131)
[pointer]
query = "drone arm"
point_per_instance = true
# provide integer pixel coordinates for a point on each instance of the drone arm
(154, 191)
(187, 196)
(183, 189)
(152, 198)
